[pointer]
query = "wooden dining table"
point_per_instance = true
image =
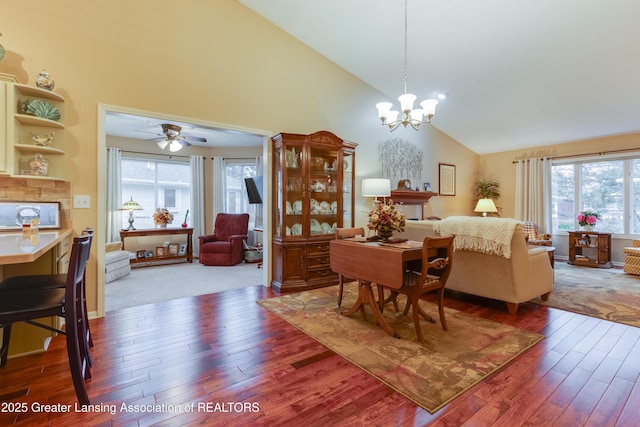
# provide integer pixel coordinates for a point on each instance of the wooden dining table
(371, 264)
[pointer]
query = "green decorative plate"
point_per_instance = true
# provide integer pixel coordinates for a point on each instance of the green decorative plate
(40, 108)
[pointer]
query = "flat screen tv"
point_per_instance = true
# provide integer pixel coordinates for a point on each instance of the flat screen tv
(254, 189)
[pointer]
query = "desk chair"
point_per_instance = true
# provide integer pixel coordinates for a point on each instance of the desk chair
(432, 277)
(346, 233)
(28, 303)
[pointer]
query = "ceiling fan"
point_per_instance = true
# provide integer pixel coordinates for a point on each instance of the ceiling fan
(172, 137)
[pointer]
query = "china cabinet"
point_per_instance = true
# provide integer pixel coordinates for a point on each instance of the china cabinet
(313, 182)
(32, 130)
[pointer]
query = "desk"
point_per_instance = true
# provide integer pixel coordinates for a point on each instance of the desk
(356, 258)
(188, 255)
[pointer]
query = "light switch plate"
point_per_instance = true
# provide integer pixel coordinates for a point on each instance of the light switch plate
(81, 202)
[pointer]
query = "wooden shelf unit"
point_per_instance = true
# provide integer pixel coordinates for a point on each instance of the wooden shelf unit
(410, 197)
(590, 249)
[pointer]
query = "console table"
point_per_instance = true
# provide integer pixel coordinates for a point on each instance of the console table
(590, 249)
(165, 258)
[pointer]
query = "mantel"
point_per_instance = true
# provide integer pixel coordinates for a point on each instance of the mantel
(408, 197)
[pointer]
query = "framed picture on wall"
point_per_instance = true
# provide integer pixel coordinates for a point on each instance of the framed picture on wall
(447, 178)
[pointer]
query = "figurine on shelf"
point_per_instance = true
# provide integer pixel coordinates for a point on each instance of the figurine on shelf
(43, 140)
(2, 51)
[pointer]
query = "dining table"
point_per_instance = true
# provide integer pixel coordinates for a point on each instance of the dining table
(373, 263)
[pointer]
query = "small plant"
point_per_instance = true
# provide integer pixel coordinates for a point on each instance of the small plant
(486, 189)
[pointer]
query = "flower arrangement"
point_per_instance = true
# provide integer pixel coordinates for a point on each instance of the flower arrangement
(162, 216)
(386, 218)
(588, 218)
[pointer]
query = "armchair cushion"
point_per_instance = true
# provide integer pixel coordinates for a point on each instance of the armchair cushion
(632, 258)
(225, 246)
(533, 236)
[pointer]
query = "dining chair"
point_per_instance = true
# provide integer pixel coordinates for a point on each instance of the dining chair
(346, 233)
(31, 302)
(48, 281)
(435, 270)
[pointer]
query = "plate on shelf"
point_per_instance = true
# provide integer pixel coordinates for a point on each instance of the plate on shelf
(334, 207)
(289, 208)
(296, 229)
(297, 207)
(326, 228)
(315, 225)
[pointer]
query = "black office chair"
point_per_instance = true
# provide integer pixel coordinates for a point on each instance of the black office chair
(32, 302)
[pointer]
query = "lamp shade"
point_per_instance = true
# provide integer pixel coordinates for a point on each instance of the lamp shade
(376, 187)
(484, 206)
(131, 205)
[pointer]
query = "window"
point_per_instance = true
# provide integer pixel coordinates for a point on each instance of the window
(236, 200)
(610, 187)
(156, 184)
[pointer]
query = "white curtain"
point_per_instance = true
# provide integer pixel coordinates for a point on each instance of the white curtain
(114, 194)
(219, 174)
(197, 201)
(533, 192)
(260, 172)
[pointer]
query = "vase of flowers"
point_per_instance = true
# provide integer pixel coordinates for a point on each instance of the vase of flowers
(162, 217)
(588, 219)
(385, 218)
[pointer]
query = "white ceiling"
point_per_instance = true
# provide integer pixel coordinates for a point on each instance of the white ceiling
(518, 73)
(150, 128)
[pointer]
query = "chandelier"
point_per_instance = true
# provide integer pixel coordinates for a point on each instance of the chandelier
(410, 116)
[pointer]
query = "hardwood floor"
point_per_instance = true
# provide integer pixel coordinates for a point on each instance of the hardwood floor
(235, 363)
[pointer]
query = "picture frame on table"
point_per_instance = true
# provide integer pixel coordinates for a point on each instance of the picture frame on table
(140, 254)
(447, 179)
(160, 251)
(182, 250)
(427, 186)
(173, 249)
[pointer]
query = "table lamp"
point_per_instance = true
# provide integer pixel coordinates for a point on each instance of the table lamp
(131, 206)
(376, 187)
(484, 206)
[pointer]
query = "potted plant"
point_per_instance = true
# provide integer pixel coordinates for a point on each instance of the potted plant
(486, 189)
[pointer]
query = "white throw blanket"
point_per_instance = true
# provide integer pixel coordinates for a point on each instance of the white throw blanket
(488, 235)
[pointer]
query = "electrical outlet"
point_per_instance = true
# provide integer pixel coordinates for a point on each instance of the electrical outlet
(81, 202)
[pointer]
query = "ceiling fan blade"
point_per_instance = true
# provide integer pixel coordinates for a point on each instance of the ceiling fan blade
(193, 138)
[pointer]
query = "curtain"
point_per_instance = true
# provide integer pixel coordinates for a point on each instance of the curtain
(197, 201)
(260, 172)
(114, 194)
(533, 192)
(219, 173)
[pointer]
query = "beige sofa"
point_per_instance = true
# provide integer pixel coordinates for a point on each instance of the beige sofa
(524, 275)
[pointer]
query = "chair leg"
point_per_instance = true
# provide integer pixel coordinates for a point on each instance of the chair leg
(416, 315)
(4, 350)
(443, 321)
(78, 364)
(340, 289)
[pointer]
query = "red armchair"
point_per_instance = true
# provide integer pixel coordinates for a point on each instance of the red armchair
(225, 246)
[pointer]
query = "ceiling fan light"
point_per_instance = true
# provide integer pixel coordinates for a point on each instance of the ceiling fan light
(406, 102)
(175, 146)
(163, 144)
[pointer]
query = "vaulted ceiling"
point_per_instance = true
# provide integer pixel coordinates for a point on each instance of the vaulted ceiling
(517, 74)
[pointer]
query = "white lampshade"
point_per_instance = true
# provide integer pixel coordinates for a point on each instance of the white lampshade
(429, 107)
(376, 187)
(406, 102)
(383, 109)
(163, 144)
(484, 206)
(175, 146)
(416, 114)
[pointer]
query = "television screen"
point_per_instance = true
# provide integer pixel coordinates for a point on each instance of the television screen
(254, 189)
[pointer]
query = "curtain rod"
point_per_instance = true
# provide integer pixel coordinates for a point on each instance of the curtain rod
(599, 153)
(152, 154)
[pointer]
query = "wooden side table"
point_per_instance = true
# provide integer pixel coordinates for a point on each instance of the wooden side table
(590, 249)
(551, 250)
(188, 255)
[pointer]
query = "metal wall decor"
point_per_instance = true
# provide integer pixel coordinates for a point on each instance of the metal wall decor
(400, 159)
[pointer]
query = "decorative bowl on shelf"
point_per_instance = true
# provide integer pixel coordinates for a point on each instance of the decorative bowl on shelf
(40, 108)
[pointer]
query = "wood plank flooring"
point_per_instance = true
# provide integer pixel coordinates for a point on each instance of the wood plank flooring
(230, 362)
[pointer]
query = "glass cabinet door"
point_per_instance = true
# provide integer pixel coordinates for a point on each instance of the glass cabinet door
(278, 213)
(323, 191)
(348, 160)
(293, 190)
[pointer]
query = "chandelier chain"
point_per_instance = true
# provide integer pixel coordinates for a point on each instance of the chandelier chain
(405, 45)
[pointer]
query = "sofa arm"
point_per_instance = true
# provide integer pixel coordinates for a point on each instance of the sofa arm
(237, 240)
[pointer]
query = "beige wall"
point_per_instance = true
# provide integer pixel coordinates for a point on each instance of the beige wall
(500, 167)
(210, 60)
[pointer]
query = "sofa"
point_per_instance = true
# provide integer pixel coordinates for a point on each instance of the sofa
(116, 262)
(491, 258)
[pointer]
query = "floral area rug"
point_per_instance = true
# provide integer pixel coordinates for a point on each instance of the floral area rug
(607, 294)
(431, 373)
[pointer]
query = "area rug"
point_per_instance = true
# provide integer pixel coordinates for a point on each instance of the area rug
(607, 294)
(430, 374)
